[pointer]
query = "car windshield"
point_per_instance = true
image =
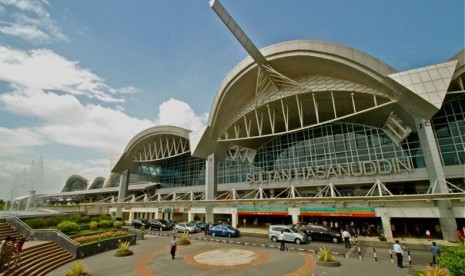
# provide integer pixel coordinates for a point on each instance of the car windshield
(163, 221)
(192, 223)
(230, 227)
(294, 230)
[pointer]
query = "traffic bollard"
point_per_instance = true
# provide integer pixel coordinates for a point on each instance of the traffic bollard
(374, 254)
(359, 253)
(390, 254)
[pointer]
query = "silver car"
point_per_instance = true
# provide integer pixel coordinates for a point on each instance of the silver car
(184, 227)
(290, 234)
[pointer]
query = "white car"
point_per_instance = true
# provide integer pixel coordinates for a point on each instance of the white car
(183, 227)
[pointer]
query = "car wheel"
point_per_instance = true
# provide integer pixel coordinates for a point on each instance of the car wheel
(298, 241)
(309, 238)
(159, 229)
(274, 239)
(150, 228)
(335, 240)
(229, 235)
(213, 234)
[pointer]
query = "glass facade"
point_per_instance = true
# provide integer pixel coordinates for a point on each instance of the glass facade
(180, 171)
(449, 128)
(328, 145)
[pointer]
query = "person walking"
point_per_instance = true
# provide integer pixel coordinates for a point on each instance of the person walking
(173, 247)
(207, 228)
(281, 240)
(346, 237)
(435, 251)
(428, 234)
(399, 253)
(19, 249)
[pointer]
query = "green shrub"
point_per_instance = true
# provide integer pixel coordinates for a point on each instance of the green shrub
(453, 258)
(123, 246)
(35, 223)
(68, 226)
(106, 223)
(74, 218)
(77, 269)
(435, 271)
(104, 217)
(118, 224)
(83, 219)
(325, 255)
(93, 225)
(99, 236)
(184, 239)
(53, 221)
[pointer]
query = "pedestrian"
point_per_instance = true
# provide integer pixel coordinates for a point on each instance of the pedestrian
(435, 251)
(399, 253)
(281, 240)
(19, 249)
(207, 228)
(244, 221)
(346, 237)
(255, 222)
(173, 247)
(428, 234)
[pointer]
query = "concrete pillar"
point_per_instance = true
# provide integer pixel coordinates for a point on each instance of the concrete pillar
(190, 216)
(211, 177)
(123, 191)
(209, 214)
(294, 213)
(385, 221)
(211, 184)
(156, 214)
(234, 218)
(436, 173)
(131, 215)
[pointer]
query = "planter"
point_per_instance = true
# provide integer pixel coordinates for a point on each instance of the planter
(123, 254)
(186, 242)
(329, 264)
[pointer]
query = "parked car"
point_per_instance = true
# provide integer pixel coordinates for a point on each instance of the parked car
(184, 227)
(159, 224)
(322, 233)
(224, 231)
(138, 223)
(197, 223)
(172, 222)
(290, 234)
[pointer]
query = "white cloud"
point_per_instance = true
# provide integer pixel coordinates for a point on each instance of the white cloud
(178, 113)
(64, 120)
(29, 21)
(18, 141)
(36, 7)
(44, 69)
(24, 32)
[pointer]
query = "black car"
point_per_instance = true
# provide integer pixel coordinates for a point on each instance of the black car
(172, 222)
(138, 223)
(197, 223)
(322, 233)
(159, 224)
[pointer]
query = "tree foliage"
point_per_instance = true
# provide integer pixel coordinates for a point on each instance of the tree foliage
(453, 258)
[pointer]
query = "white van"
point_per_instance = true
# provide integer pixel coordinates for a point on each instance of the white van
(290, 234)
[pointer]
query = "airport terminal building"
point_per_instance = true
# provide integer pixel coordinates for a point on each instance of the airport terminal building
(305, 131)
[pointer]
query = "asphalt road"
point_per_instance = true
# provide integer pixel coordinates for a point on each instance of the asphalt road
(379, 251)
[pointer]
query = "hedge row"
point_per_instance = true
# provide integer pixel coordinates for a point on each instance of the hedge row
(54, 221)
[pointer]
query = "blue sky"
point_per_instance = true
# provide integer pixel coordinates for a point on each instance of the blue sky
(78, 79)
